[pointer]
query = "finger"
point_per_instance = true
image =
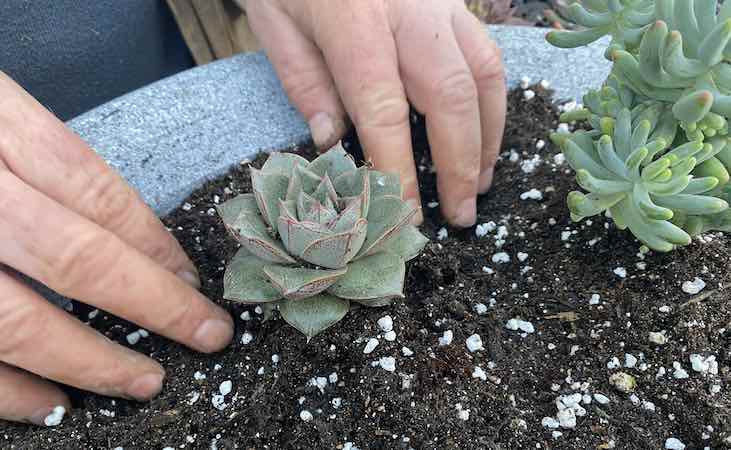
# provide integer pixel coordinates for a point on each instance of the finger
(447, 95)
(46, 155)
(81, 260)
(25, 397)
(40, 338)
(485, 61)
(364, 64)
(302, 70)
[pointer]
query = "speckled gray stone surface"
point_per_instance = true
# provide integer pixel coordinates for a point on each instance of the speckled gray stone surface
(169, 137)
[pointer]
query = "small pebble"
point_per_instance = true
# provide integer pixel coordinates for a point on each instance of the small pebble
(479, 373)
(658, 338)
(446, 338)
(674, 444)
(388, 363)
(693, 287)
(623, 382)
(55, 417)
(225, 387)
(370, 345)
(385, 323)
(518, 324)
(500, 258)
(474, 343)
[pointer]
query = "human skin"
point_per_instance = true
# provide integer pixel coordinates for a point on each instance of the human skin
(69, 221)
(367, 59)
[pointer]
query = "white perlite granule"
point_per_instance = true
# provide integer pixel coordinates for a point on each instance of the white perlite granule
(693, 287)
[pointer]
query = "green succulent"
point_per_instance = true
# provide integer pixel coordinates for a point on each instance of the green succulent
(657, 157)
(624, 20)
(639, 192)
(316, 236)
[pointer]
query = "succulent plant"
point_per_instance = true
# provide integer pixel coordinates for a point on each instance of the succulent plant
(657, 157)
(316, 236)
(639, 192)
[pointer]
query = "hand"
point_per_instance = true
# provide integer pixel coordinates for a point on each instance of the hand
(72, 223)
(367, 57)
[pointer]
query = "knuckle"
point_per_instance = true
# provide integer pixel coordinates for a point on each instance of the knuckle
(84, 263)
(456, 92)
(489, 65)
(383, 109)
(164, 251)
(465, 169)
(302, 85)
(21, 326)
(186, 314)
(112, 201)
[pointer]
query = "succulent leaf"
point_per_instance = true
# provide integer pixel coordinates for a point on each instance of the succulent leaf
(333, 162)
(269, 189)
(372, 277)
(296, 283)
(249, 229)
(302, 180)
(244, 280)
(386, 218)
(310, 209)
(355, 183)
(315, 314)
(384, 184)
(336, 250)
(281, 163)
(408, 243)
(298, 235)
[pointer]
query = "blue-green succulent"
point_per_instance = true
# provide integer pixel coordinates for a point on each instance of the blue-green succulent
(656, 157)
(318, 236)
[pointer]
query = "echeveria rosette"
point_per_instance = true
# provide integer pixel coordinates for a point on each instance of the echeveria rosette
(642, 186)
(316, 236)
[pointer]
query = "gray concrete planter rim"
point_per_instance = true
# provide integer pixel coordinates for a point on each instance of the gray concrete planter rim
(167, 138)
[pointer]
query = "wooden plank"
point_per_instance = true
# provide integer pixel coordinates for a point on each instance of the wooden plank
(216, 25)
(192, 31)
(244, 39)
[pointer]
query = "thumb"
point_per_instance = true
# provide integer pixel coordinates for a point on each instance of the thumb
(302, 70)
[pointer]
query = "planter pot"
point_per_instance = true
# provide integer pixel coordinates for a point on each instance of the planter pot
(167, 138)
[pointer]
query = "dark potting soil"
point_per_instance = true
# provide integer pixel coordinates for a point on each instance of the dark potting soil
(433, 399)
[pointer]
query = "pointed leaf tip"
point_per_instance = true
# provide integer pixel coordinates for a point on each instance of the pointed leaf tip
(313, 315)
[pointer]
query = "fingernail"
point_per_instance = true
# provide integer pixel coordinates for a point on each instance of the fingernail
(146, 386)
(49, 416)
(325, 130)
(485, 180)
(466, 213)
(190, 277)
(213, 334)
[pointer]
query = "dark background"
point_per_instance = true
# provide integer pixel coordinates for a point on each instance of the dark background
(73, 55)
